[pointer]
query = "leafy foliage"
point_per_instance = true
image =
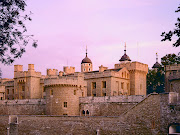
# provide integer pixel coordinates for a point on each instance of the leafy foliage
(176, 32)
(170, 59)
(155, 81)
(0, 73)
(12, 30)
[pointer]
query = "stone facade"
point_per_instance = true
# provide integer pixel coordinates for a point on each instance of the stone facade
(63, 92)
(109, 82)
(138, 72)
(172, 78)
(23, 107)
(157, 114)
(108, 105)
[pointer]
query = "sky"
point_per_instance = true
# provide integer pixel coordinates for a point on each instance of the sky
(64, 28)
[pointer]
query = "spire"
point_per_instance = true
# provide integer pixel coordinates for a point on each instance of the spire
(86, 50)
(125, 48)
(156, 57)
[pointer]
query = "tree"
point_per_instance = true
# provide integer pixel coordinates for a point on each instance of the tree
(155, 81)
(170, 59)
(13, 38)
(176, 32)
(0, 73)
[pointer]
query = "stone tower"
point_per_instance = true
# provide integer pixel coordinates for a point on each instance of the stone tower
(137, 71)
(86, 64)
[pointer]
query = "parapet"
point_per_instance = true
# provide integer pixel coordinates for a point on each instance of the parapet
(30, 67)
(102, 68)
(52, 72)
(69, 70)
(172, 67)
(112, 99)
(133, 66)
(18, 68)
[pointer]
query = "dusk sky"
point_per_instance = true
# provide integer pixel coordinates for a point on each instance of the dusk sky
(63, 28)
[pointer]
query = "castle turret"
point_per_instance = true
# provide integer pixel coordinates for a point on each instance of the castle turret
(156, 66)
(125, 58)
(86, 64)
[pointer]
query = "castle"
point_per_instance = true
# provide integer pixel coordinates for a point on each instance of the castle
(119, 92)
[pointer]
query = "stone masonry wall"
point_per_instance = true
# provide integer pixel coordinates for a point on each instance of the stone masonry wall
(108, 106)
(22, 107)
(152, 116)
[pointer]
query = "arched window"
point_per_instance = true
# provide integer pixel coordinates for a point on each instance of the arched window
(122, 74)
(87, 112)
(83, 112)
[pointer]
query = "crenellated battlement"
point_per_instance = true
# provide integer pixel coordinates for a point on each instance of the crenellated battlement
(19, 73)
(52, 72)
(71, 79)
(68, 70)
(133, 66)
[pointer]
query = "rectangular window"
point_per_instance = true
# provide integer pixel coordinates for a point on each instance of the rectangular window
(13, 91)
(94, 95)
(65, 104)
(127, 86)
(140, 86)
(103, 84)
(51, 92)
(104, 94)
(44, 89)
(74, 92)
(94, 85)
(122, 85)
(23, 88)
(1, 98)
(7, 91)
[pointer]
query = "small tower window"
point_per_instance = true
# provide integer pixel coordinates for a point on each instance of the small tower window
(51, 92)
(84, 69)
(89, 64)
(65, 104)
(94, 85)
(89, 69)
(103, 84)
(122, 85)
(7, 91)
(74, 92)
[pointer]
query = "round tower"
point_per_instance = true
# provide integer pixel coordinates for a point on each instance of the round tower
(125, 58)
(86, 64)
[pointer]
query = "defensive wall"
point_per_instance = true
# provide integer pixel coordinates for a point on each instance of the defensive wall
(22, 107)
(152, 116)
(108, 105)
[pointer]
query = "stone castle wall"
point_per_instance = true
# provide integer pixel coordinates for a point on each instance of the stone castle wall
(107, 106)
(153, 115)
(22, 107)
